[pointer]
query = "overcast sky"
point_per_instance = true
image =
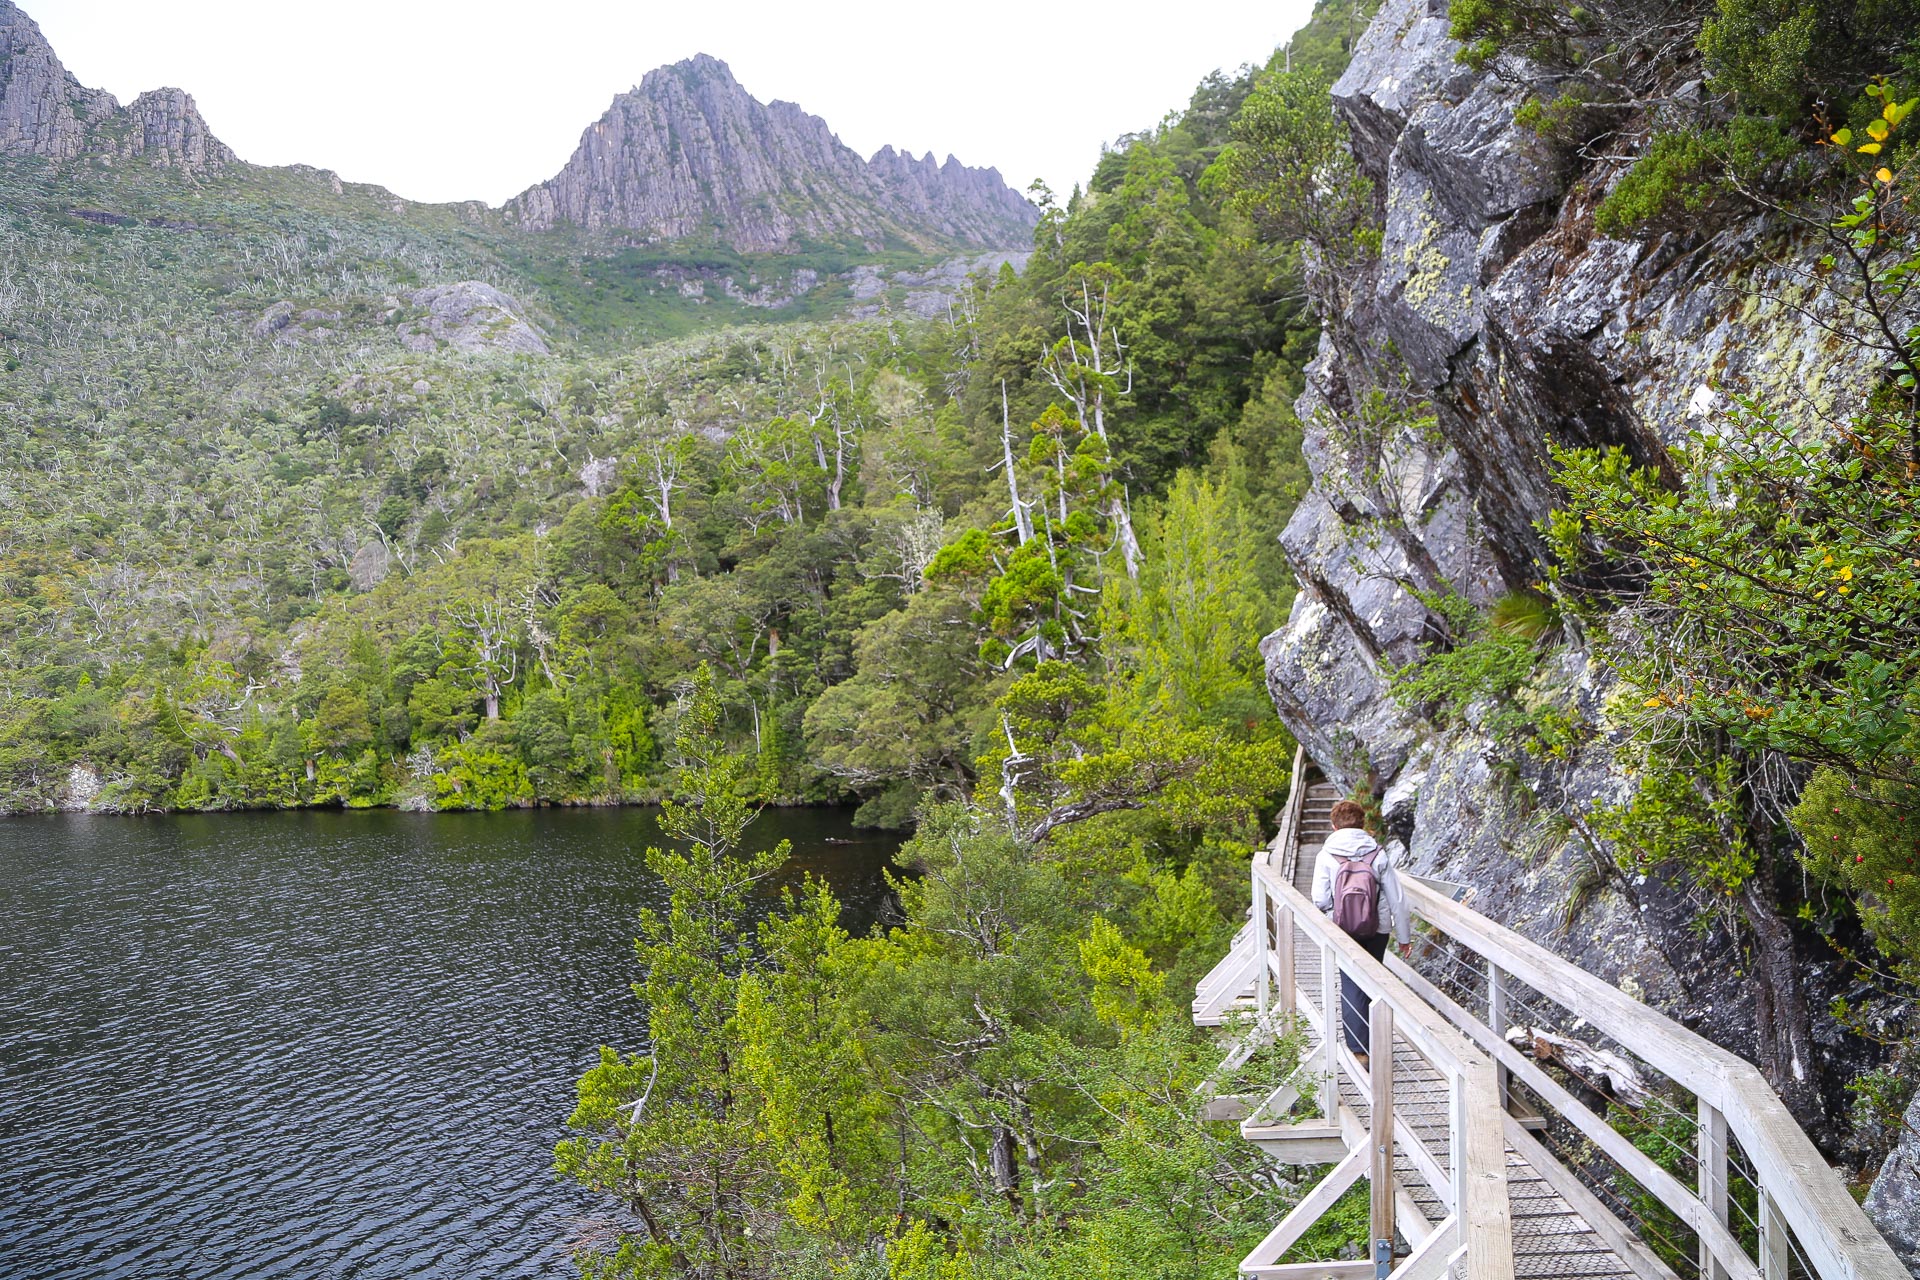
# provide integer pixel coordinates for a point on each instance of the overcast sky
(474, 99)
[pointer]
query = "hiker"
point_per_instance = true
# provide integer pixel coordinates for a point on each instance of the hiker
(1355, 882)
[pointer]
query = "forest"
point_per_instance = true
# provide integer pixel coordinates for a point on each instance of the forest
(999, 579)
(240, 579)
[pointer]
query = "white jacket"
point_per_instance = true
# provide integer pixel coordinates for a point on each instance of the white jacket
(1352, 842)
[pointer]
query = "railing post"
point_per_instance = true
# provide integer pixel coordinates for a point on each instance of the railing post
(1380, 1140)
(1457, 1146)
(1332, 1032)
(1713, 1180)
(1284, 944)
(1497, 1020)
(1261, 943)
(1774, 1250)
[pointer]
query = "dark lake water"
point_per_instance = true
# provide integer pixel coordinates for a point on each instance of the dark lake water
(324, 1044)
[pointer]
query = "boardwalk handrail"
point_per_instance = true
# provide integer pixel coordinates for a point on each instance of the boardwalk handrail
(1285, 840)
(1473, 1189)
(1797, 1188)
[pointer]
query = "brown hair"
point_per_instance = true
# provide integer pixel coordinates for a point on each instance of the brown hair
(1347, 813)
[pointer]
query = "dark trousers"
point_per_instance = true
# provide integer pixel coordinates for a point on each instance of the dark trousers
(1354, 1003)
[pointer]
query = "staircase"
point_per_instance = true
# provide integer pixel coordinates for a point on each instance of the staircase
(1482, 1160)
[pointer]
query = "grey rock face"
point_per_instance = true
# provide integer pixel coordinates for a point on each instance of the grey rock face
(45, 112)
(1894, 1201)
(930, 293)
(470, 316)
(1495, 300)
(690, 154)
(166, 129)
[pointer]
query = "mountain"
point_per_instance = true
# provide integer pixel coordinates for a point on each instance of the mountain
(690, 154)
(46, 112)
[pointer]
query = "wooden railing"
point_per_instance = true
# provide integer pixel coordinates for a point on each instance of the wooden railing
(1803, 1207)
(1470, 1182)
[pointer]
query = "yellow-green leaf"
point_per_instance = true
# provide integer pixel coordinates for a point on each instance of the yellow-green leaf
(1842, 137)
(1877, 130)
(1868, 149)
(1891, 113)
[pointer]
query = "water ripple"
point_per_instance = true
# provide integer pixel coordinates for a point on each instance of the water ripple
(326, 1044)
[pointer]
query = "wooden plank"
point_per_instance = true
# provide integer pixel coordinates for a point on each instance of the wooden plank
(1632, 1161)
(1312, 1207)
(1776, 1255)
(1430, 1258)
(1236, 979)
(1311, 1271)
(1332, 1031)
(1497, 1018)
(1486, 1216)
(1487, 1227)
(1210, 985)
(1713, 1179)
(1262, 982)
(1285, 941)
(1833, 1231)
(1425, 1029)
(1599, 1219)
(1408, 1215)
(1380, 1139)
(1286, 841)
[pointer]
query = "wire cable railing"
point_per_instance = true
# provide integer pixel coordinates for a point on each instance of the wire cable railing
(1804, 1217)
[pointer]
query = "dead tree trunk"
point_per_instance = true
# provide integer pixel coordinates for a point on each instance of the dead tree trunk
(1005, 1166)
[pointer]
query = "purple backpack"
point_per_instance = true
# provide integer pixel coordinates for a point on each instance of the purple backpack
(1356, 896)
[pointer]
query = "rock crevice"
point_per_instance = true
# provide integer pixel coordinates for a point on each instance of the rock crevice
(1497, 311)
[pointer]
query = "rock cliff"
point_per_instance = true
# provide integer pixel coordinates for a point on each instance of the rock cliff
(689, 154)
(45, 112)
(1495, 300)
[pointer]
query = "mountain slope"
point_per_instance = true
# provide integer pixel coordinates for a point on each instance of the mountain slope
(689, 154)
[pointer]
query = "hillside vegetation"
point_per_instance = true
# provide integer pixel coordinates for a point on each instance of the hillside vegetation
(278, 535)
(315, 498)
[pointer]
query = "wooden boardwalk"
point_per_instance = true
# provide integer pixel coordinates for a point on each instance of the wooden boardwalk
(1464, 1172)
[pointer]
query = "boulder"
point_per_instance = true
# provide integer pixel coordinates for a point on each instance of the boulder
(470, 316)
(1894, 1200)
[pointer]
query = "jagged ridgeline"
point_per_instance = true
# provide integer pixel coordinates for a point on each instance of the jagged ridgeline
(1391, 390)
(314, 494)
(688, 206)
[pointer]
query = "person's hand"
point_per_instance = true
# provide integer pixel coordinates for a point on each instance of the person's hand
(1406, 951)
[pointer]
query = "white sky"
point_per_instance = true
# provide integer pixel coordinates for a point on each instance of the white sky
(477, 99)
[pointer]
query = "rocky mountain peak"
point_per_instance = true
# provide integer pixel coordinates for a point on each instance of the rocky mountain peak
(689, 154)
(46, 112)
(166, 128)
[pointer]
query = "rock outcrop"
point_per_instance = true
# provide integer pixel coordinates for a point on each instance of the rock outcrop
(164, 127)
(469, 316)
(689, 154)
(1495, 300)
(45, 112)
(1894, 1201)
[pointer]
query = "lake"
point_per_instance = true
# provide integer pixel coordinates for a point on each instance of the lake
(321, 1043)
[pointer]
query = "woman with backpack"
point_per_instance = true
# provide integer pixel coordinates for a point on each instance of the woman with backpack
(1355, 882)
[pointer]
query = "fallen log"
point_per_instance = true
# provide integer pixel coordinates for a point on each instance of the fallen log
(1604, 1070)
